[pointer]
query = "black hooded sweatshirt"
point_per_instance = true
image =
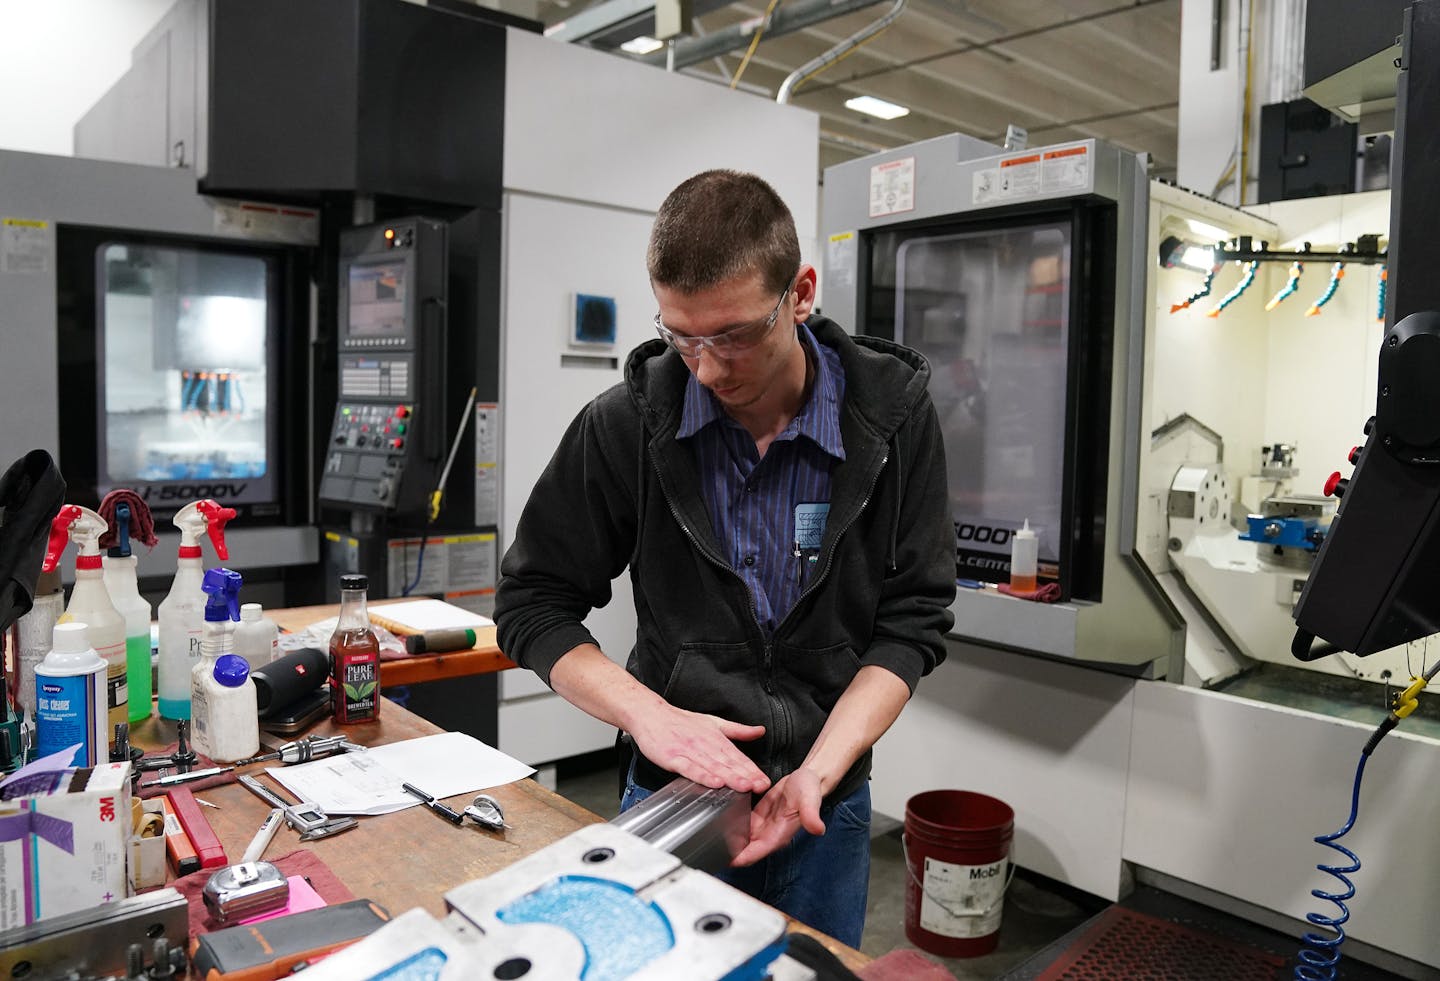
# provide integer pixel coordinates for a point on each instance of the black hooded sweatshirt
(621, 490)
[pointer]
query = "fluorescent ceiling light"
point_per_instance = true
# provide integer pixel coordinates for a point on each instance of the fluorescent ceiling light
(642, 45)
(872, 106)
(1209, 232)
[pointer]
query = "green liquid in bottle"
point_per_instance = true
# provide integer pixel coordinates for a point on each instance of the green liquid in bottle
(138, 677)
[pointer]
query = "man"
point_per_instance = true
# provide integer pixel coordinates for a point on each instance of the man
(777, 490)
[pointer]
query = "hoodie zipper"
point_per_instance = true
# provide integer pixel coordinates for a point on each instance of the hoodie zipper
(819, 577)
(768, 652)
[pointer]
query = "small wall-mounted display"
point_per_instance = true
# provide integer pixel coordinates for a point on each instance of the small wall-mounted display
(594, 321)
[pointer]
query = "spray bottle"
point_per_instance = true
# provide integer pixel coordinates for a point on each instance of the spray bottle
(222, 609)
(124, 592)
(35, 630)
(90, 603)
(182, 612)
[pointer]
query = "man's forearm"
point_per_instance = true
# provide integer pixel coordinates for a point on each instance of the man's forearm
(596, 685)
(869, 705)
(698, 747)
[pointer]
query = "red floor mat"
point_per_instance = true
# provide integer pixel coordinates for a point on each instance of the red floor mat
(1124, 945)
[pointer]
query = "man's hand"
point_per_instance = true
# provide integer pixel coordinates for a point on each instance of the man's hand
(699, 747)
(792, 804)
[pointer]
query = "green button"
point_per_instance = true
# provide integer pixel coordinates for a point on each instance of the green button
(400, 428)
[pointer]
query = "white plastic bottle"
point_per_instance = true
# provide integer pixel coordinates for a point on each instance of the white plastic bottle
(222, 609)
(124, 590)
(90, 604)
(234, 719)
(70, 697)
(182, 612)
(1024, 559)
(36, 630)
(257, 638)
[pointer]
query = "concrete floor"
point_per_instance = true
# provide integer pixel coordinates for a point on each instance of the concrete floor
(1036, 913)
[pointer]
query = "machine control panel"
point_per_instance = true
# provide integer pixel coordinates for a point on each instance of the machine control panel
(386, 439)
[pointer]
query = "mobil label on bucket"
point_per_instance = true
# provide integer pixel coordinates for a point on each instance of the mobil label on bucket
(962, 900)
(957, 853)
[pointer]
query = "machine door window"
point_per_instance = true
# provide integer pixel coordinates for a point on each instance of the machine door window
(184, 360)
(990, 309)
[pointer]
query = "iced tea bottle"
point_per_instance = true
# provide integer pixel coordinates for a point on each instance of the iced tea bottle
(354, 657)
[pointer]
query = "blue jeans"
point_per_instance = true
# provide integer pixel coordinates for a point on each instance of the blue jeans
(821, 881)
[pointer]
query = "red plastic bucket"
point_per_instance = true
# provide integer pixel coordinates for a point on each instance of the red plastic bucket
(957, 849)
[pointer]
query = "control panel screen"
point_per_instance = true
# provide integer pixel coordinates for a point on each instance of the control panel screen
(377, 300)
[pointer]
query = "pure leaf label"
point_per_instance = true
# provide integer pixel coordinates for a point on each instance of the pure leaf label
(359, 692)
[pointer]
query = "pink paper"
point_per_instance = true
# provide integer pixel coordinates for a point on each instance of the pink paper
(302, 897)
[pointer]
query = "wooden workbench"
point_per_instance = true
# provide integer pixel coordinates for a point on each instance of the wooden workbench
(409, 858)
(483, 658)
(404, 859)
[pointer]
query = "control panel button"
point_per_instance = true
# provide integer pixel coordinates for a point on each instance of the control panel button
(1354, 455)
(402, 412)
(1336, 485)
(397, 443)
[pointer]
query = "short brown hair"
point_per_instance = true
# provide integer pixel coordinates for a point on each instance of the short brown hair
(718, 225)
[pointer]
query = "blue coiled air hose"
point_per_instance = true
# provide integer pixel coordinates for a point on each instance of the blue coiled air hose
(1321, 953)
(1319, 958)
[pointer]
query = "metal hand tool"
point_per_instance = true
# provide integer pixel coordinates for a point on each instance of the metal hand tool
(175, 779)
(485, 811)
(305, 817)
(182, 759)
(305, 750)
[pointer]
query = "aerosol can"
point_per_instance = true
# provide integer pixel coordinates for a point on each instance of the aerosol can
(222, 609)
(182, 612)
(90, 603)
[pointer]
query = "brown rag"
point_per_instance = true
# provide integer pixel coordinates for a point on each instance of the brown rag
(1048, 593)
(303, 863)
(142, 525)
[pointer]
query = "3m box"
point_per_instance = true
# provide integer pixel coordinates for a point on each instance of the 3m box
(63, 845)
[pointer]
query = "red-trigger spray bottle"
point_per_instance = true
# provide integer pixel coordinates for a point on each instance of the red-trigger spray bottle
(182, 612)
(90, 603)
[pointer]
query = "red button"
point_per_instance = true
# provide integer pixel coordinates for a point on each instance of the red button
(1354, 454)
(397, 443)
(401, 412)
(1331, 483)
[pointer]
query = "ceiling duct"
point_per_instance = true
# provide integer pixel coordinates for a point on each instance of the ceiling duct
(824, 60)
(791, 17)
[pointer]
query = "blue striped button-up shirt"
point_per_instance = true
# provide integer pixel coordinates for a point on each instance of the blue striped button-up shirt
(754, 502)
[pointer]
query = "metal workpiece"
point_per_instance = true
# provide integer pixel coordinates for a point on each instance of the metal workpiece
(95, 941)
(599, 902)
(703, 827)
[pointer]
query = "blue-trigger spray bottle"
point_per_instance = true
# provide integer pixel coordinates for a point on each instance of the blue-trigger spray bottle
(222, 609)
(120, 581)
(90, 604)
(182, 612)
(70, 697)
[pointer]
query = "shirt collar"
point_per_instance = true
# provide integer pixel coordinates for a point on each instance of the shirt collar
(819, 417)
